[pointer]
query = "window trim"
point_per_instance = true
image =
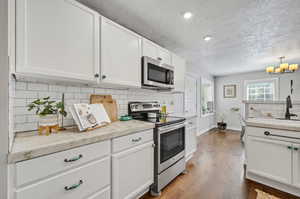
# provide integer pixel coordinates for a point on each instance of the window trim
(276, 87)
(207, 81)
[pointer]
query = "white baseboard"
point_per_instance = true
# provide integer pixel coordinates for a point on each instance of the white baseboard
(234, 128)
(202, 131)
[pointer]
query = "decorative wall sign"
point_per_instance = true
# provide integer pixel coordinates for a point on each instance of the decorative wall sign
(229, 91)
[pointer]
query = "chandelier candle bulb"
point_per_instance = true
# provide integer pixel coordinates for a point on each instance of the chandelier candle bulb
(284, 66)
(278, 70)
(293, 67)
(270, 69)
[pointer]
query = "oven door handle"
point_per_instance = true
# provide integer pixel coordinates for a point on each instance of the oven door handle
(170, 128)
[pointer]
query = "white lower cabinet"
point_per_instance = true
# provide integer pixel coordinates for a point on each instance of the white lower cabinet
(103, 194)
(273, 158)
(132, 171)
(296, 165)
(89, 172)
(190, 143)
(270, 158)
(190, 139)
(78, 183)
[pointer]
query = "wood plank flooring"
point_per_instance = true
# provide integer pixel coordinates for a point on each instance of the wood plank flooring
(216, 172)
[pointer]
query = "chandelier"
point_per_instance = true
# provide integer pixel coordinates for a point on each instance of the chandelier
(282, 68)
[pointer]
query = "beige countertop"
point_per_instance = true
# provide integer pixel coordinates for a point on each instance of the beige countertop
(274, 124)
(30, 145)
(185, 115)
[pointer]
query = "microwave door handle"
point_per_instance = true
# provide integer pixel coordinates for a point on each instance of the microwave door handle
(168, 77)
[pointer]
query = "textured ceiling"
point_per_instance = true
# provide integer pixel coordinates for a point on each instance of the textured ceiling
(247, 34)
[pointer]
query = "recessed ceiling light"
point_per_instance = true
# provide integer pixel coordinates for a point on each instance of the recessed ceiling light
(207, 38)
(187, 15)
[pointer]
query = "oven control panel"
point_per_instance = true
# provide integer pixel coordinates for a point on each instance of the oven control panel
(144, 106)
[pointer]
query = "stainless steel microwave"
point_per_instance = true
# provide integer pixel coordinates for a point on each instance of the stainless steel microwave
(157, 75)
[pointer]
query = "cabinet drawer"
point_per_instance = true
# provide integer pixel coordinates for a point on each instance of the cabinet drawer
(125, 142)
(78, 183)
(38, 168)
(191, 123)
(284, 135)
(103, 194)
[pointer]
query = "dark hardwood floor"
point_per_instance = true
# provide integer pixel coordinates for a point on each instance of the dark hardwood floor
(216, 172)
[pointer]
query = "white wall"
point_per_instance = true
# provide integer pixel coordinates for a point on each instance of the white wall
(3, 98)
(224, 105)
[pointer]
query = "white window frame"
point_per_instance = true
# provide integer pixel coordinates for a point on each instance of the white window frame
(274, 80)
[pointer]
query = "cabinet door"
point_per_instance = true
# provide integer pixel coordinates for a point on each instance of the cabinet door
(179, 74)
(150, 49)
(296, 165)
(164, 55)
(270, 158)
(190, 143)
(120, 55)
(132, 171)
(57, 39)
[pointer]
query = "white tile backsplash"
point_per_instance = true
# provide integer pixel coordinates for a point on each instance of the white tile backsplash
(273, 110)
(26, 92)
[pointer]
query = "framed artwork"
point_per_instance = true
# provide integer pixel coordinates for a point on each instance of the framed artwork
(229, 91)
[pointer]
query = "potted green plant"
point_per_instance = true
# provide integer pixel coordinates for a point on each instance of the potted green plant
(48, 111)
(222, 125)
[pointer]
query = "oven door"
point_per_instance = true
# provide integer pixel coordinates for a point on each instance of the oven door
(171, 145)
(156, 75)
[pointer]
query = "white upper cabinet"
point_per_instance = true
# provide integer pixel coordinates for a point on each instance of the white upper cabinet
(120, 55)
(149, 49)
(57, 39)
(179, 75)
(164, 55)
(154, 51)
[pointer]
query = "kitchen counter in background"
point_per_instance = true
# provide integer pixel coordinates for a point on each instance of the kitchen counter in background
(274, 124)
(185, 115)
(30, 145)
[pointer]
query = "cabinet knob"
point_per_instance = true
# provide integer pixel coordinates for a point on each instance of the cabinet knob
(103, 76)
(96, 75)
(289, 147)
(295, 148)
(158, 58)
(267, 133)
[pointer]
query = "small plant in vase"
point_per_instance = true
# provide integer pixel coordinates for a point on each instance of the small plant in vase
(222, 125)
(47, 112)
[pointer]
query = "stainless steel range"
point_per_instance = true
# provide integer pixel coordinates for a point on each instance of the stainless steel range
(169, 138)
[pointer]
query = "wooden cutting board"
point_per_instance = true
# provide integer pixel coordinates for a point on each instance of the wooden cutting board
(109, 104)
(98, 98)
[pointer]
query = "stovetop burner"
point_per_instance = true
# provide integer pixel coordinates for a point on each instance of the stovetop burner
(162, 121)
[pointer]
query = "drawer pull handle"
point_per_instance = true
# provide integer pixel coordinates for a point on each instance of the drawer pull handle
(267, 133)
(136, 140)
(74, 186)
(74, 159)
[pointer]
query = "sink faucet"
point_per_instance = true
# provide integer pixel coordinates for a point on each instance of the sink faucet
(289, 105)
